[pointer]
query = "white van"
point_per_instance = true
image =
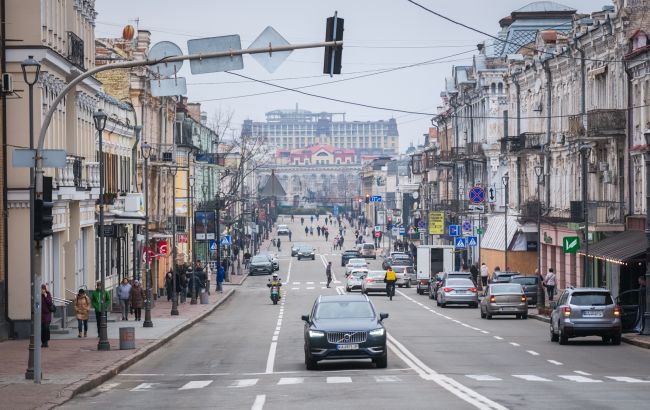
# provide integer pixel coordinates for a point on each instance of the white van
(368, 250)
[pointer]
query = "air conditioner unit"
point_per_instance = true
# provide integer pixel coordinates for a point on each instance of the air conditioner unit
(167, 156)
(7, 83)
(603, 166)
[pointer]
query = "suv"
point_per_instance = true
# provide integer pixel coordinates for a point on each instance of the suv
(585, 312)
(283, 230)
(503, 277)
(368, 250)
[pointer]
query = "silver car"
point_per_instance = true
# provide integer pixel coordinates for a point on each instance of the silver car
(504, 299)
(374, 282)
(354, 279)
(356, 263)
(457, 291)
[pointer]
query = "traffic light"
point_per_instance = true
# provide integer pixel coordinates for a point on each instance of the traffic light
(43, 218)
(367, 198)
(333, 55)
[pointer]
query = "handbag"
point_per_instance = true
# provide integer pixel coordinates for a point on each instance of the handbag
(51, 307)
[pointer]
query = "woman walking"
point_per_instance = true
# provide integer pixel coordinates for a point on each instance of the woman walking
(549, 281)
(47, 307)
(82, 310)
(137, 299)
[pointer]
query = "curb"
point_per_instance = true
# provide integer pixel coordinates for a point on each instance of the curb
(105, 374)
(238, 284)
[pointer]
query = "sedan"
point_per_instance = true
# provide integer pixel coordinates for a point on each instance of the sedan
(457, 291)
(295, 246)
(344, 327)
(504, 299)
(374, 282)
(403, 274)
(274, 259)
(306, 252)
(283, 230)
(356, 263)
(349, 254)
(354, 279)
(260, 264)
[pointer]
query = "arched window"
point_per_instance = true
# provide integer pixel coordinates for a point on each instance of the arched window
(493, 88)
(500, 88)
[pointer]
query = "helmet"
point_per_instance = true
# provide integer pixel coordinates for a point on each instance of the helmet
(275, 275)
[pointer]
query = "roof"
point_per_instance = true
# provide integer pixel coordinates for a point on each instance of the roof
(618, 248)
(273, 187)
(544, 7)
(495, 232)
(343, 298)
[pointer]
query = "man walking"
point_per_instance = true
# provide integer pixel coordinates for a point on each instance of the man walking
(221, 274)
(98, 296)
(123, 294)
(328, 273)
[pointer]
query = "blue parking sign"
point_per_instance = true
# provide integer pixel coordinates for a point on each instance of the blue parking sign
(454, 230)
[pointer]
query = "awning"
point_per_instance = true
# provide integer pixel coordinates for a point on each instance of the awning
(495, 232)
(120, 217)
(618, 248)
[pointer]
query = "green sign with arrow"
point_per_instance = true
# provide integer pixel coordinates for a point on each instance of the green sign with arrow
(570, 244)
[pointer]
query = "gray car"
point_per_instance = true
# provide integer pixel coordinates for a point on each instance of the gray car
(294, 248)
(374, 282)
(530, 284)
(504, 299)
(585, 312)
(457, 291)
(260, 264)
(306, 252)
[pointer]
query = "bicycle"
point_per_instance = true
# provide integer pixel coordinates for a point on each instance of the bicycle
(390, 289)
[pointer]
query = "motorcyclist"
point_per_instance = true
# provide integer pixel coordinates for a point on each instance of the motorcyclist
(275, 281)
(390, 279)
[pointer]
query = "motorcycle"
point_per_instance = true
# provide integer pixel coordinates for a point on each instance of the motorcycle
(275, 294)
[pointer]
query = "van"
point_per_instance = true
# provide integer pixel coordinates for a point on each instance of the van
(368, 250)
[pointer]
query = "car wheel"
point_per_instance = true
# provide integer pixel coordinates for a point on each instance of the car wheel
(554, 336)
(524, 316)
(381, 362)
(475, 305)
(437, 302)
(518, 316)
(374, 257)
(606, 339)
(616, 339)
(347, 289)
(430, 295)
(399, 286)
(299, 258)
(313, 258)
(420, 292)
(408, 284)
(562, 337)
(310, 363)
(488, 316)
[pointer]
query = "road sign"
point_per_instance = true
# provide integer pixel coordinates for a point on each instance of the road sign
(381, 217)
(394, 231)
(375, 198)
(436, 223)
(402, 231)
(25, 158)
(226, 240)
(467, 226)
(270, 61)
(491, 196)
(460, 242)
(422, 224)
(480, 231)
(454, 230)
(472, 241)
(570, 244)
(215, 64)
(476, 208)
(213, 245)
(335, 210)
(476, 195)
(411, 231)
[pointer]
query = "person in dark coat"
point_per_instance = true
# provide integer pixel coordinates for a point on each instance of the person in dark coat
(474, 271)
(137, 299)
(221, 275)
(46, 315)
(169, 285)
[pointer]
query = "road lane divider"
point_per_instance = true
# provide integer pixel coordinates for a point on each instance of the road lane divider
(270, 359)
(258, 404)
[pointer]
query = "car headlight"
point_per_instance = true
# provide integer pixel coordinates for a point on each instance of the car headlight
(316, 333)
(378, 332)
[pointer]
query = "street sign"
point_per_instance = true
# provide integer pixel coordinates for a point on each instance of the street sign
(375, 198)
(491, 196)
(270, 61)
(213, 245)
(480, 231)
(467, 226)
(475, 208)
(472, 241)
(454, 230)
(570, 244)
(226, 240)
(476, 195)
(411, 230)
(460, 242)
(394, 231)
(436, 223)
(211, 45)
(422, 224)
(381, 217)
(25, 158)
(164, 87)
(402, 231)
(164, 49)
(335, 210)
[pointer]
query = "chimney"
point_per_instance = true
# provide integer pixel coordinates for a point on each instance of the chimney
(194, 111)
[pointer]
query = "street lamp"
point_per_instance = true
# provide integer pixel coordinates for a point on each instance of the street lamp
(505, 180)
(173, 170)
(146, 152)
(193, 299)
(31, 70)
(646, 315)
(100, 118)
(540, 291)
(585, 150)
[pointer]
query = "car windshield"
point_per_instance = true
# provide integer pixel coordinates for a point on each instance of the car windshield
(402, 262)
(459, 275)
(525, 281)
(591, 299)
(350, 252)
(401, 256)
(305, 249)
(283, 227)
(514, 288)
(260, 258)
(341, 310)
(368, 246)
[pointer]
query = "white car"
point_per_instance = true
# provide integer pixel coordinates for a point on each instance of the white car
(356, 263)
(283, 230)
(354, 279)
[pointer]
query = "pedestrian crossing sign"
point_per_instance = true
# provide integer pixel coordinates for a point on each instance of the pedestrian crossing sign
(461, 242)
(213, 245)
(472, 241)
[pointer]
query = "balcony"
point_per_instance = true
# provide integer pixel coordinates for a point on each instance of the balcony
(598, 212)
(606, 123)
(530, 210)
(75, 50)
(458, 153)
(475, 148)
(532, 140)
(576, 126)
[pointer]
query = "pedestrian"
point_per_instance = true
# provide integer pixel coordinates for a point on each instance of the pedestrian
(82, 311)
(311, 230)
(221, 275)
(474, 271)
(181, 283)
(99, 298)
(318, 229)
(549, 281)
(328, 273)
(123, 295)
(47, 308)
(642, 300)
(289, 236)
(306, 231)
(278, 242)
(302, 220)
(327, 234)
(137, 299)
(484, 274)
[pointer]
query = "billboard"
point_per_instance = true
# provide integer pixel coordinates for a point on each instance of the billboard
(204, 225)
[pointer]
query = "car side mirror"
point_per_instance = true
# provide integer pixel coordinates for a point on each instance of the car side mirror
(383, 316)
(553, 305)
(305, 318)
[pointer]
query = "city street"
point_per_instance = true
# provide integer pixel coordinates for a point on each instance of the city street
(249, 354)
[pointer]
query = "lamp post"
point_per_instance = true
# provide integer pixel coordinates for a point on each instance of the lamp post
(193, 299)
(100, 118)
(646, 315)
(585, 150)
(540, 291)
(31, 70)
(505, 180)
(173, 170)
(146, 152)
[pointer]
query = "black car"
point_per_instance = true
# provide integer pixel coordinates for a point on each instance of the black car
(349, 254)
(306, 252)
(260, 264)
(530, 285)
(344, 327)
(503, 277)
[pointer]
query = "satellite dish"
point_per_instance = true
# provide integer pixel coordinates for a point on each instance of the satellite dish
(166, 49)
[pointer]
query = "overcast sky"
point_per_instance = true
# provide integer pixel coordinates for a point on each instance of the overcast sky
(379, 35)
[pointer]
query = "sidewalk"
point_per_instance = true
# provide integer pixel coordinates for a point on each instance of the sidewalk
(72, 365)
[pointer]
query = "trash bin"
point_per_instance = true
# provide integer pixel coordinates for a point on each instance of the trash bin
(127, 338)
(204, 297)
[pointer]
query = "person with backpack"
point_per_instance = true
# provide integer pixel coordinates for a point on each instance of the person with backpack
(390, 278)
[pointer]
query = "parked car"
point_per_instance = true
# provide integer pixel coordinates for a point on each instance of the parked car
(354, 279)
(273, 258)
(434, 284)
(457, 291)
(349, 254)
(356, 263)
(368, 250)
(306, 252)
(530, 284)
(503, 277)
(295, 246)
(260, 264)
(344, 327)
(374, 282)
(410, 274)
(283, 230)
(585, 312)
(630, 312)
(504, 299)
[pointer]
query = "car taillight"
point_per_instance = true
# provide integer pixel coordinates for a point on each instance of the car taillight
(566, 311)
(473, 290)
(493, 299)
(447, 290)
(370, 280)
(423, 281)
(617, 311)
(523, 298)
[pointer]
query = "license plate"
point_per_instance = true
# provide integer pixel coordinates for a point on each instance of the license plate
(508, 309)
(347, 347)
(461, 291)
(592, 313)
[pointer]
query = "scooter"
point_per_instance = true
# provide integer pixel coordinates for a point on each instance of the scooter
(275, 294)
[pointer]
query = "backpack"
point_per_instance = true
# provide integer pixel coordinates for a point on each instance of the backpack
(390, 275)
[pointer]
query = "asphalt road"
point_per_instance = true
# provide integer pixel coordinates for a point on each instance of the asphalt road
(249, 355)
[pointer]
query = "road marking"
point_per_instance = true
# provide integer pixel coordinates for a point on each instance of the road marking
(258, 404)
(483, 377)
(627, 379)
(291, 380)
(515, 344)
(555, 362)
(387, 379)
(295, 288)
(274, 339)
(310, 288)
(498, 337)
(323, 287)
(338, 379)
(296, 283)
(531, 378)
(289, 270)
(322, 283)
(310, 283)
(107, 386)
(244, 383)
(534, 353)
(143, 386)
(579, 379)
(582, 373)
(270, 360)
(485, 332)
(196, 384)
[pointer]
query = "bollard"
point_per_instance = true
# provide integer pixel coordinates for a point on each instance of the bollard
(204, 297)
(127, 338)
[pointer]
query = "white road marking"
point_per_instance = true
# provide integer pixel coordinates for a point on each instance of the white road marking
(483, 377)
(270, 360)
(310, 283)
(107, 386)
(244, 383)
(515, 344)
(498, 337)
(274, 339)
(289, 270)
(258, 404)
(485, 332)
(531, 378)
(582, 373)
(323, 287)
(387, 379)
(295, 288)
(339, 380)
(291, 380)
(310, 288)
(143, 386)
(532, 352)
(467, 326)
(196, 384)
(579, 379)
(296, 283)
(555, 362)
(627, 379)
(323, 283)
